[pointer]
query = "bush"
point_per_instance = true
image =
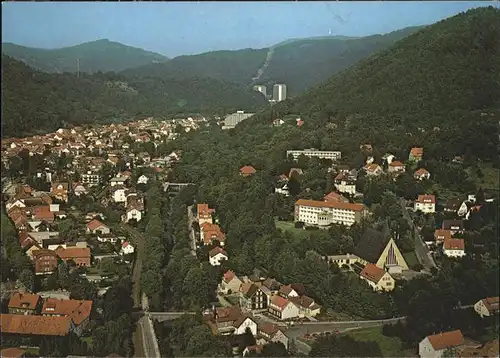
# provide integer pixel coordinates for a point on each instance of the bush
(312, 228)
(299, 224)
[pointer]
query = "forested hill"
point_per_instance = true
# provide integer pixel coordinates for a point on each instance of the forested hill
(299, 63)
(38, 101)
(100, 55)
(439, 88)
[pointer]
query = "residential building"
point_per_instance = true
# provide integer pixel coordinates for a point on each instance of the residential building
(247, 171)
(306, 305)
(79, 189)
(435, 345)
(79, 255)
(487, 307)
(377, 278)
(455, 226)
(142, 179)
(77, 310)
(283, 308)
(260, 88)
(45, 261)
(119, 194)
(321, 213)
(396, 167)
(204, 214)
(269, 333)
(454, 248)
(279, 92)
(217, 255)
(312, 152)
(344, 184)
(416, 154)
(211, 232)
(119, 180)
(422, 174)
(90, 178)
(229, 320)
(13, 352)
(426, 203)
(127, 248)
(278, 122)
(60, 191)
(230, 283)
(292, 290)
(488, 350)
(252, 297)
(442, 235)
(96, 227)
(35, 325)
(373, 169)
(233, 119)
(24, 303)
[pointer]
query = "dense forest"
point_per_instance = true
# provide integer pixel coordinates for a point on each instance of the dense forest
(33, 100)
(94, 56)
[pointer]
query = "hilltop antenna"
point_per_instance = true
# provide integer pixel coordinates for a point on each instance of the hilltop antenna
(77, 68)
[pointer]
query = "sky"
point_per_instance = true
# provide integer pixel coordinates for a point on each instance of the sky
(184, 28)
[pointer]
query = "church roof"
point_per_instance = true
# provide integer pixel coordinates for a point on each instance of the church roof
(372, 244)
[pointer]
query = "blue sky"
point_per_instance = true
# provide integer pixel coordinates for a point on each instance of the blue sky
(176, 28)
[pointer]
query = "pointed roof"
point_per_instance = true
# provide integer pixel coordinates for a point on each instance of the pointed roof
(372, 244)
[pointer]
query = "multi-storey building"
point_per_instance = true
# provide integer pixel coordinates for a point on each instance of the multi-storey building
(90, 178)
(426, 204)
(279, 92)
(322, 213)
(312, 152)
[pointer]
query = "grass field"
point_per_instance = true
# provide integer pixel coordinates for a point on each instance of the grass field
(411, 259)
(290, 227)
(390, 346)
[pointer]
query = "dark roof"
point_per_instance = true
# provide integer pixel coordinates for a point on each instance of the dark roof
(372, 243)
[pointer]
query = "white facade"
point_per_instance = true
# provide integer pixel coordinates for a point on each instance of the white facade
(426, 350)
(346, 187)
(90, 178)
(322, 154)
(328, 213)
(127, 249)
(133, 214)
(279, 92)
(119, 195)
(288, 312)
(142, 179)
(217, 259)
(426, 206)
(454, 253)
(247, 323)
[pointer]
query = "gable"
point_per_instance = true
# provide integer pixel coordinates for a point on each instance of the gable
(391, 256)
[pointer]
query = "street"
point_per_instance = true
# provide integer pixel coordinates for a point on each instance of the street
(421, 250)
(192, 237)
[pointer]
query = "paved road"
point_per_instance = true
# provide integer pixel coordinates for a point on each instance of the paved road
(191, 220)
(423, 254)
(150, 346)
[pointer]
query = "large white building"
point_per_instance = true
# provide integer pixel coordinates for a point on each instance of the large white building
(233, 119)
(279, 92)
(312, 152)
(426, 204)
(90, 178)
(322, 213)
(260, 88)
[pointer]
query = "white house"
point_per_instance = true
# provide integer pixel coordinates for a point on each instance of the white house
(487, 306)
(243, 323)
(96, 227)
(118, 180)
(127, 248)
(422, 174)
(142, 179)
(434, 346)
(132, 214)
(454, 248)
(426, 203)
(107, 238)
(217, 255)
(120, 194)
(282, 308)
(230, 283)
(268, 333)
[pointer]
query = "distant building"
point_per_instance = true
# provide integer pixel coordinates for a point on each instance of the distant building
(279, 92)
(312, 152)
(322, 213)
(233, 119)
(260, 88)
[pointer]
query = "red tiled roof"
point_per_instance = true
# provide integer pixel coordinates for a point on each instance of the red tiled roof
(228, 276)
(73, 252)
(94, 224)
(35, 325)
(446, 339)
(335, 197)
(426, 199)
(372, 273)
(247, 169)
(24, 300)
(335, 205)
(491, 303)
(454, 244)
(217, 250)
(421, 172)
(77, 310)
(280, 302)
(417, 151)
(12, 352)
(396, 163)
(442, 235)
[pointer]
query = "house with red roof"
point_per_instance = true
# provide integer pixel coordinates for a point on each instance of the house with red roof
(454, 248)
(396, 167)
(210, 232)
(434, 346)
(247, 171)
(24, 303)
(282, 308)
(127, 248)
(230, 283)
(77, 310)
(335, 197)
(97, 227)
(271, 333)
(487, 307)
(426, 203)
(422, 174)
(217, 255)
(378, 279)
(416, 154)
